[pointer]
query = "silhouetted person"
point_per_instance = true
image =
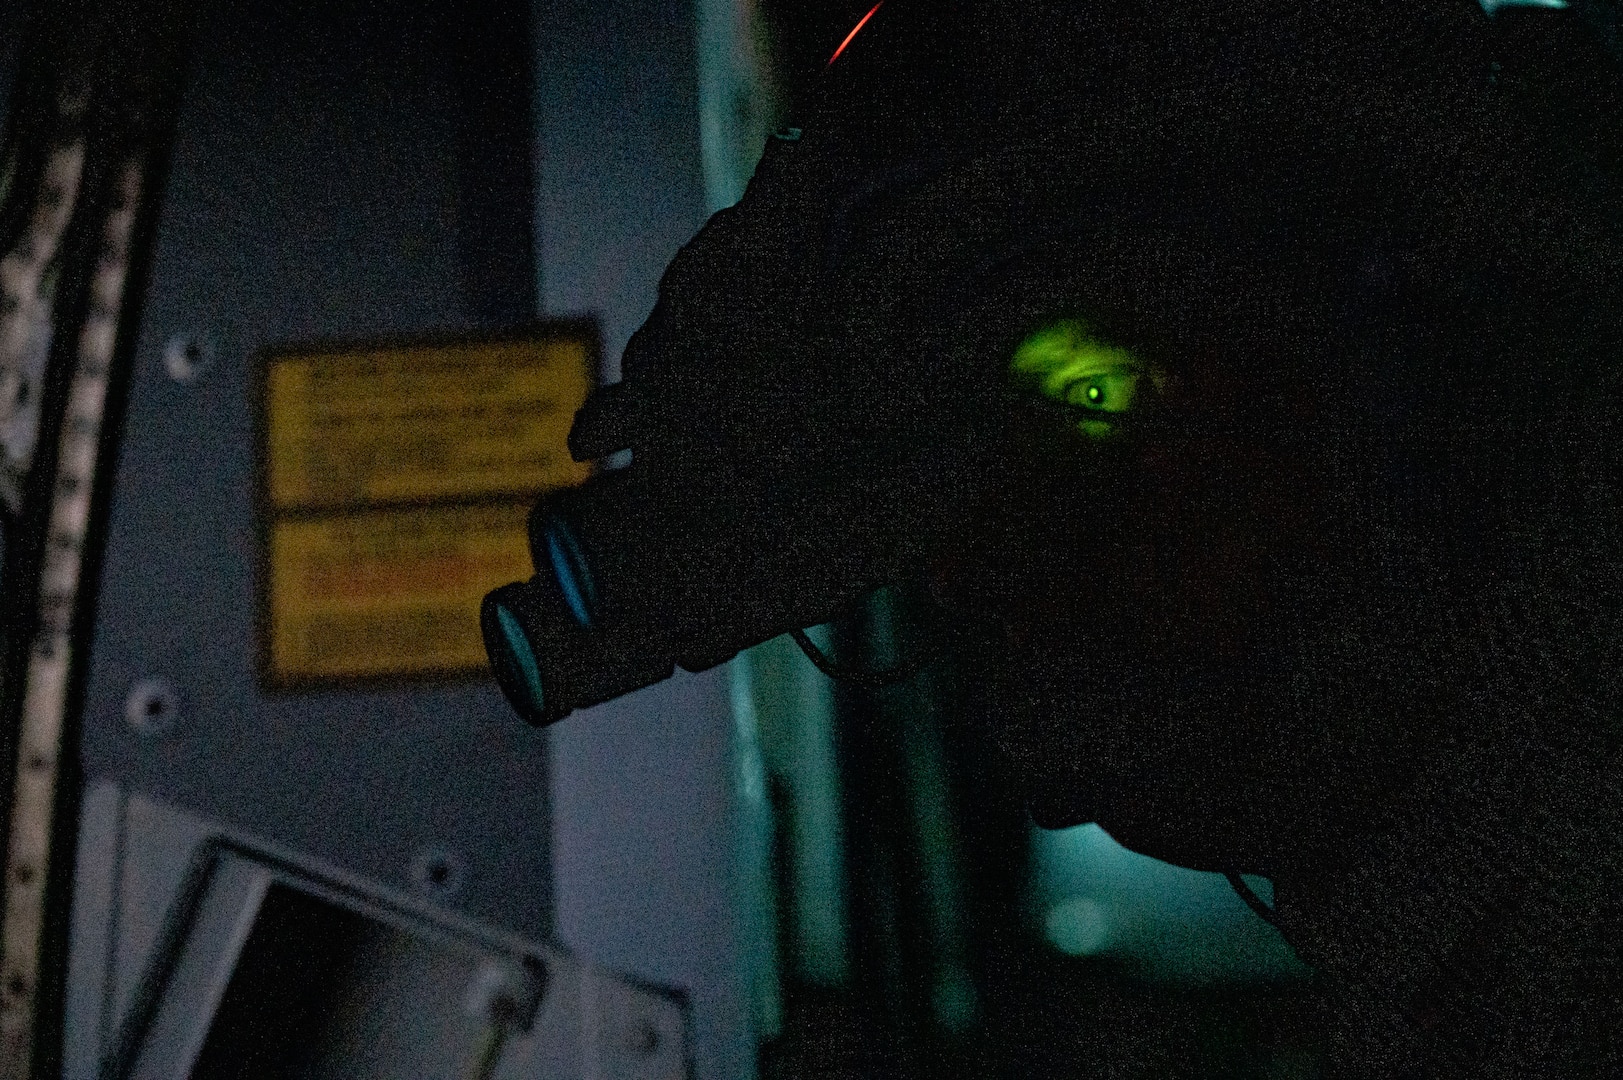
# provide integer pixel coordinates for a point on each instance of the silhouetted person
(1241, 377)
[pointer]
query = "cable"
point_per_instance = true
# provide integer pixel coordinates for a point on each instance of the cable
(868, 680)
(1252, 900)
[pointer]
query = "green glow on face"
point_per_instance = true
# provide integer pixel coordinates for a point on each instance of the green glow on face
(1068, 363)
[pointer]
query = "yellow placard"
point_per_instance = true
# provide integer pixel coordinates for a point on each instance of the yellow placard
(397, 480)
(359, 427)
(387, 592)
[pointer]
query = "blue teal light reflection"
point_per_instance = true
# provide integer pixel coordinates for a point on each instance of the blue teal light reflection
(1092, 897)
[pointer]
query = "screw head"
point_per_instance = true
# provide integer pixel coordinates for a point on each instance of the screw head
(437, 871)
(152, 707)
(186, 356)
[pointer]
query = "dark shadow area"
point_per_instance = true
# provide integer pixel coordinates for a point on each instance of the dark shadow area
(296, 970)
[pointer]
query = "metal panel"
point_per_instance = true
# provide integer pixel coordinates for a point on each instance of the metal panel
(224, 918)
(319, 191)
(432, 994)
(313, 195)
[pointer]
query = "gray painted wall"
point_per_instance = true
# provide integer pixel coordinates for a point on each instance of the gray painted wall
(311, 197)
(315, 195)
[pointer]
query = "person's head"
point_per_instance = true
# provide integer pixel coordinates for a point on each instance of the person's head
(1275, 362)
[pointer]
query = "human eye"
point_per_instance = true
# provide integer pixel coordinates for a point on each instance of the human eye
(1067, 362)
(1109, 391)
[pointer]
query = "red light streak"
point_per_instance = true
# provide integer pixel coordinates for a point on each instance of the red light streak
(854, 30)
